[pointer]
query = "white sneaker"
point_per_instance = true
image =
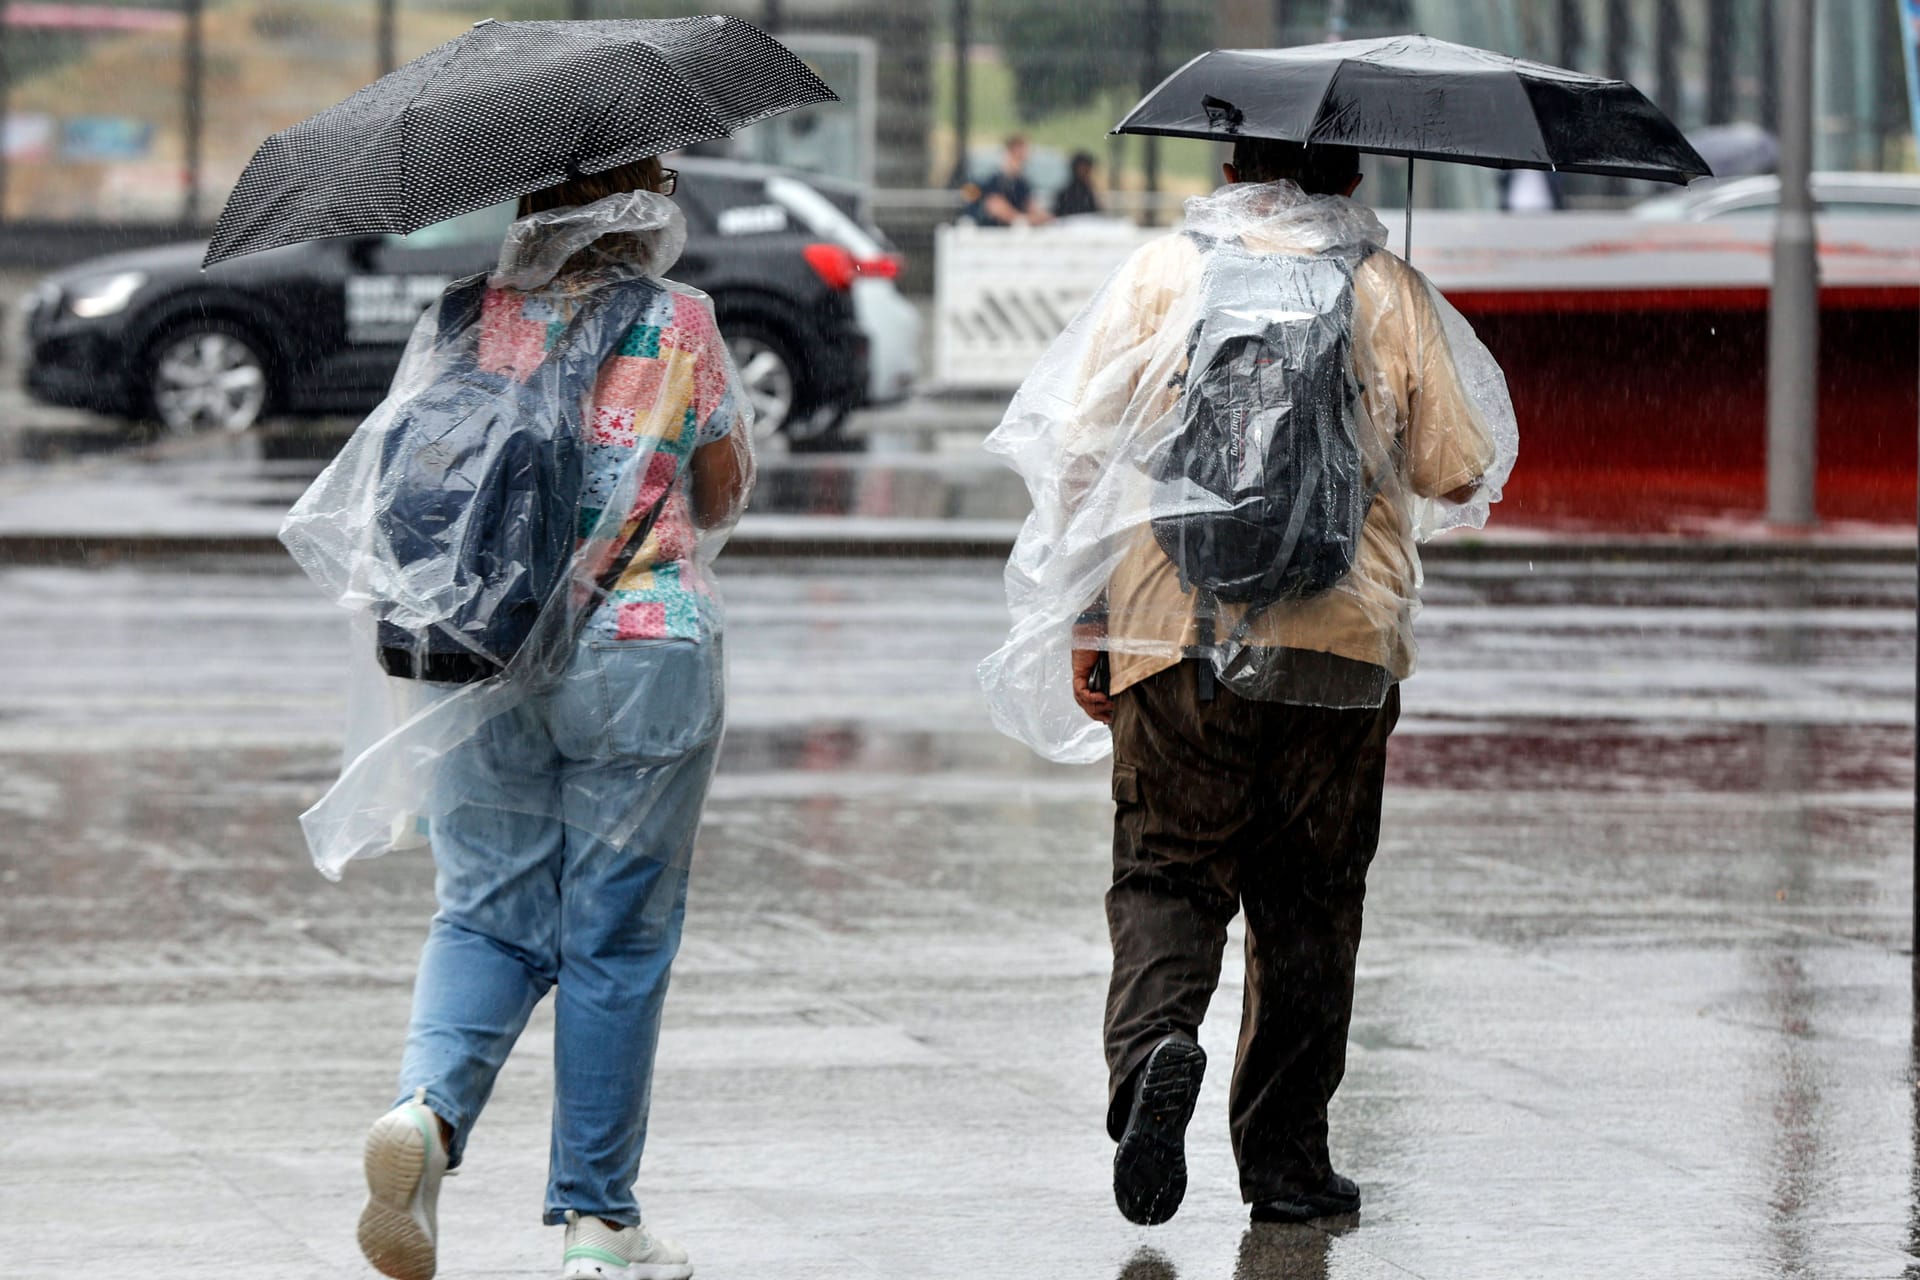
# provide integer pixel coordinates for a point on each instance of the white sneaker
(596, 1251)
(405, 1161)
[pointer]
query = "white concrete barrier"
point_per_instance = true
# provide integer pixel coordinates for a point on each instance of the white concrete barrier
(1002, 294)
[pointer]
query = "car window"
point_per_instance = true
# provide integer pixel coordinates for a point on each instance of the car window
(707, 199)
(822, 217)
(482, 226)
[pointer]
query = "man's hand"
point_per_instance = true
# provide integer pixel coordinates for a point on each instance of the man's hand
(1097, 705)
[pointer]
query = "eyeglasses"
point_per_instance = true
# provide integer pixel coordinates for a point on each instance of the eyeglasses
(669, 179)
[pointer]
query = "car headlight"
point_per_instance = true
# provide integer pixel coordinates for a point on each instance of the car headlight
(99, 296)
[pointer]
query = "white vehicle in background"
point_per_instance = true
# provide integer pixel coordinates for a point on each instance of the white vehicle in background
(891, 323)
(1841, 194)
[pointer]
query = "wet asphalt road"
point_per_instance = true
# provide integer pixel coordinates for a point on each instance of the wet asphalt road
(1633, 999)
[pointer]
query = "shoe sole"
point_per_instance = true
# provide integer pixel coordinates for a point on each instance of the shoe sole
(1150, 1166)
(1308, 1211)
(393, 1240)
(632, 1271)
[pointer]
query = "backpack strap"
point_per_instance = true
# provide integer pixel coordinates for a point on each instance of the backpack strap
(460, 308)
(621, 307)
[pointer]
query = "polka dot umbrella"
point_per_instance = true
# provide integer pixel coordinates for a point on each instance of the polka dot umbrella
(507, 109)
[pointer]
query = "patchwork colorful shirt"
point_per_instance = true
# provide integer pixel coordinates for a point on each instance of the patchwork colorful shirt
(666, 391)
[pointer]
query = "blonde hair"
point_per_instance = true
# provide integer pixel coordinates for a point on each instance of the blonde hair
(638, 175)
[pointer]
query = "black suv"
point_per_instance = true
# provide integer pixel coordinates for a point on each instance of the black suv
(318, 328)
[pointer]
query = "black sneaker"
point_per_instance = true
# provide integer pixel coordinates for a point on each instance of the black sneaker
(1335, 1196)
(1150, 1166)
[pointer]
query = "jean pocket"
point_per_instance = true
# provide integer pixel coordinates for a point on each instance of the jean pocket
(654, 700)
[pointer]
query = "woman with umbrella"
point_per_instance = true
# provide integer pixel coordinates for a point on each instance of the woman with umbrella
(525, 530)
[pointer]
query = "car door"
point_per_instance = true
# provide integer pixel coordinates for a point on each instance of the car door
(390, 280)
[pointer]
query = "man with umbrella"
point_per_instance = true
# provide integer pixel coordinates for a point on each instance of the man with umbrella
(1256, 785)
(1232, 454)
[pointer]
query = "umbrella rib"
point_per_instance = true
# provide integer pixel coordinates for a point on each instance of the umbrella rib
(1534, 116)
(406, 123)
(1326, 92)
(696, 94)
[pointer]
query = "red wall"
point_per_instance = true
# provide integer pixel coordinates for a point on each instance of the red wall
(1646, 410)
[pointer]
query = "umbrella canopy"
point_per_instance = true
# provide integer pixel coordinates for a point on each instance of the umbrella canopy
(1416, 96)
(507, 109)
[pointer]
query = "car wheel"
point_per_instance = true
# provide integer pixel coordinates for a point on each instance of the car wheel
(769, 377)
(209, 376)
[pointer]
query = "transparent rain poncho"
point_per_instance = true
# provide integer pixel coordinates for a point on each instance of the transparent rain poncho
(1247, 491)
(537, 501)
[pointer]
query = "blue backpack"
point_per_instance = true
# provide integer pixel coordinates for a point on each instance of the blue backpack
(480, 484)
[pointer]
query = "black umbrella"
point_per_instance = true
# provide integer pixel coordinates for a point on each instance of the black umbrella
(1419, 97)
(507, 109)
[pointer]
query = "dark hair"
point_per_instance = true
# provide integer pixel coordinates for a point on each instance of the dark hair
(639, 175)
(1081, 160)
(1319, 170)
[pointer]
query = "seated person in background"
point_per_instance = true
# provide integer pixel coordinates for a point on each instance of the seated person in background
(1078, 196)
(1006, 199)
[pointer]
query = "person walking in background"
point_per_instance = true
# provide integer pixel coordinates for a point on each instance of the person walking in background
(1078, 196)
(1232, 452)
(563, 828)
(1531, 191)
(1007, 198)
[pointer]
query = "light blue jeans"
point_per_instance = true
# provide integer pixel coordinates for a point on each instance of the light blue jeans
(562, 835)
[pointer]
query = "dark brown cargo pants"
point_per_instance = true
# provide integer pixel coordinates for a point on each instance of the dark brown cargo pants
(1233, 805)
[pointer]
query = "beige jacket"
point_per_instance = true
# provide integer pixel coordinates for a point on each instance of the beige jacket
(1422, 437)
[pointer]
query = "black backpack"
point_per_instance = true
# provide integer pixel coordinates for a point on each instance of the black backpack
(1261, 494)
(479, 491)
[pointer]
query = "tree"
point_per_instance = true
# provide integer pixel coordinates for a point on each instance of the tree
(1064, 56)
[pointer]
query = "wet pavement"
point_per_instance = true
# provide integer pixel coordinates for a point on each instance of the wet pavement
(1633, 999)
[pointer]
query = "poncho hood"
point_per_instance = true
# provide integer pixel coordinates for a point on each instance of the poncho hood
(1282, 213)
(653, 232)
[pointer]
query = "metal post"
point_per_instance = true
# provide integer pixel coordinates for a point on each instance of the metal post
(1793, 322)
(962, 90)
(1150, 74)
(1770, 64)
(5, 95)
(385, 39)
(1720, 47)
(1619, 32)
(1573, 34)
(1668, 36)
(193, 107)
